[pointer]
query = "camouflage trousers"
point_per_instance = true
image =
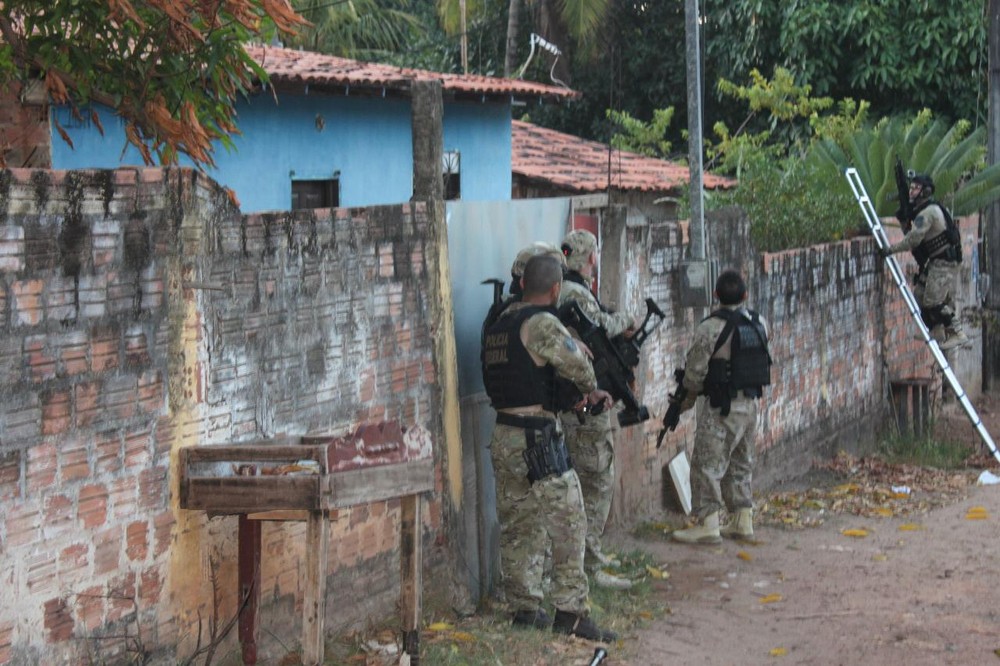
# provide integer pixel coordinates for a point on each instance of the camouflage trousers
(535, 518)
(935, 287)
(591, 446)
(722, 461)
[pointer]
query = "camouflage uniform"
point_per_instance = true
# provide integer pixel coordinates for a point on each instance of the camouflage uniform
(724, 446)
(934, 285)
(591, 443)
(548, 513)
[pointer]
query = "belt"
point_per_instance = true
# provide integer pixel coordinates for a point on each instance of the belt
(526, 422)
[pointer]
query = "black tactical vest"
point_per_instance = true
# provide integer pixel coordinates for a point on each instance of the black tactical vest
(748, 369)
(509, 373)
(946, 245)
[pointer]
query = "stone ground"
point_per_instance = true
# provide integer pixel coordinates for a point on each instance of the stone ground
(919, 587)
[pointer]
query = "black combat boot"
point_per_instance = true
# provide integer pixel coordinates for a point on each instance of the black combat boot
(578, 625)
(537, 619)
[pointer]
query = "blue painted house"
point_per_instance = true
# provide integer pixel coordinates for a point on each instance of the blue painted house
(335, 132)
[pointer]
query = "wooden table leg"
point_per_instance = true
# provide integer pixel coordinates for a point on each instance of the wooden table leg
(411, 560)
(249, 586)
(314, 610)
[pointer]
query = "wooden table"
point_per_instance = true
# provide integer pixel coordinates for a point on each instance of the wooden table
(305, 478)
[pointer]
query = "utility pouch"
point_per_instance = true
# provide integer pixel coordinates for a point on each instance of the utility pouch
(720, 398)
(545, 452)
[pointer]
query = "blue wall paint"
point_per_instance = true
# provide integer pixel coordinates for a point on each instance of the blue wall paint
(368, 140)
(481, 135)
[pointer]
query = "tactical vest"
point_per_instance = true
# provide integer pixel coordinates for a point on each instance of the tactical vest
(510, 375)
(748, 369)
(946, 245)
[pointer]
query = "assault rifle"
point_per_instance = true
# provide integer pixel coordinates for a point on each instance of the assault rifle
(673, 415)
(614, 359)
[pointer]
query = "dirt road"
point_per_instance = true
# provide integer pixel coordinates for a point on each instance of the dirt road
(920, 588)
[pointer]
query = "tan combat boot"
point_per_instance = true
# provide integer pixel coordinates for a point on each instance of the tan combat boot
(955, 338)
(706, 532)
(740, 525)
(610, 581)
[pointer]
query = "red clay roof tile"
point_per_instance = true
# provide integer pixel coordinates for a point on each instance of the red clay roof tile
(305, 67)
(579, 165)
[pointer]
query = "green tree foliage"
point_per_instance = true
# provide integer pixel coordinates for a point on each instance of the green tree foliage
(360, 29)
(171, 68)
(791, 179)
(900, 55)
(643, 138)
(952, 154)
(791, 201)
(638, 68)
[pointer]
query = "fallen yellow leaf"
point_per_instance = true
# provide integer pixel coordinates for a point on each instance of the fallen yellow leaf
(882, 511)
(900, 495)
(658, 574)
(744, 555)
(977, 513)
(846, 488)
(439, 626)
(770, 599)
(855, 533)
(880, 557)
(779, 652)
(463, 636)
(645, 615)
(910, 527)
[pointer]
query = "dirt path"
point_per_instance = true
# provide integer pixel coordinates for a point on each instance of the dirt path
(924, 594)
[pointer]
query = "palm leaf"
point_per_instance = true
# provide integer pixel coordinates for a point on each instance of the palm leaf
(979, 192)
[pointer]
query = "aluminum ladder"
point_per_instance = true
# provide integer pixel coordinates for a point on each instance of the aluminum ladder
(911, 302)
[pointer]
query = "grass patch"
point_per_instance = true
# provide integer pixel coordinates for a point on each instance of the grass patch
(926, 451)
(488, 639)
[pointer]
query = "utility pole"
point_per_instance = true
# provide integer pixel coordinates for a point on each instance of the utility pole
(991, 230)
(695, 275)
(465, 40)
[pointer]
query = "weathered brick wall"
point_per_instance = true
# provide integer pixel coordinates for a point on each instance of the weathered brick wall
(141, 313)
(840, 333)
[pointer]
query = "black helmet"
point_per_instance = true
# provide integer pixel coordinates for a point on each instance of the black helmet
(924, 181)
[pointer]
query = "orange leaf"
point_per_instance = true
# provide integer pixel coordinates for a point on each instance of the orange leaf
(745, 556)
(770, 599)
(857, 533)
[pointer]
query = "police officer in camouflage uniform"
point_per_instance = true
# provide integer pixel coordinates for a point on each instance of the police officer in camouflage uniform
(531, 368)
(936, 245)
(591, 442)
(729, 364)
(516, 271)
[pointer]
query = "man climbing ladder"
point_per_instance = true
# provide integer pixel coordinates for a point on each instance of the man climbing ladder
(878, 231)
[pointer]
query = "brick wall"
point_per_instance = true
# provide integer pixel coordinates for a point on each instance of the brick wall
(840, 334)
(142, 313)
